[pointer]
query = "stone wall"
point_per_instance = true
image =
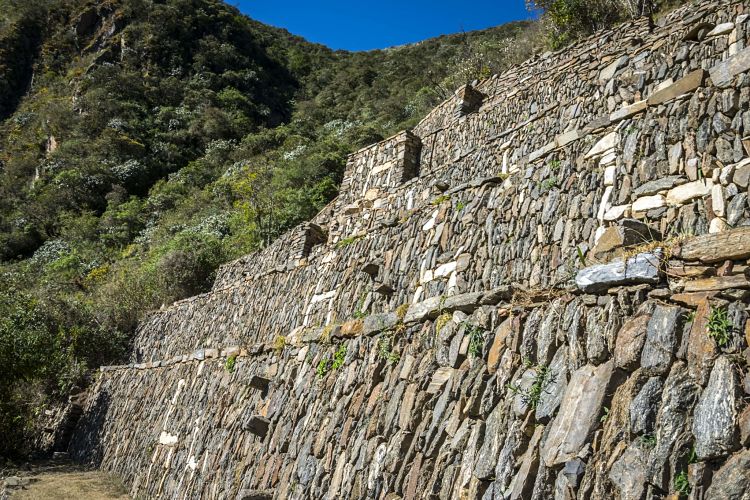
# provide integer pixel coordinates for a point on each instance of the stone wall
(541, 291)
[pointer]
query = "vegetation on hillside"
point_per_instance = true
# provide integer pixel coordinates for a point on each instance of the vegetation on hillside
(565, 21)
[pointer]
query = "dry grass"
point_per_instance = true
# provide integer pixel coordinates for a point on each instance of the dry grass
(68, 482)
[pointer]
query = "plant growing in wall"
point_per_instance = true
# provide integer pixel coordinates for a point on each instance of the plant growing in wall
(682, 484)
(279, 343)
(547, 184)
(648, 440)
(339, 357)
(349, 241)
(533, 394)
(322, 368)
(476, 340)
(386, 351)
(440, 199)
(401, 311)
(719, 326)
(229, 364)
(441, 321)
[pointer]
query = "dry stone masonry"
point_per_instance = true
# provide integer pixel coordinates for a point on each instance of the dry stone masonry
(541, 291)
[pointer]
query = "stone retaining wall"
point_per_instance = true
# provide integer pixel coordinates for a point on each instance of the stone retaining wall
(541, 291)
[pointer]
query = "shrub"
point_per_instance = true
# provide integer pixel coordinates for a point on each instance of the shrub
(229, 364)
(719, 326)
(339, 357)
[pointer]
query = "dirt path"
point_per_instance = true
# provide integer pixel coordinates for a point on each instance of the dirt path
(66, 482)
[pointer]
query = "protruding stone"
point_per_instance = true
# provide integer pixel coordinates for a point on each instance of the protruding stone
(728, 245)
(642, 268)
(686, 192)
(627, 233)
(683, 86)
(721, 29)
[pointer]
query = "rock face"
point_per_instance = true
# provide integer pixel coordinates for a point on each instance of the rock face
(483, 312)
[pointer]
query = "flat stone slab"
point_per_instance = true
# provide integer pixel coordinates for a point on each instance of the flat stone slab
(723, 73)
(689, 83)
(733, 244)
(642, 268)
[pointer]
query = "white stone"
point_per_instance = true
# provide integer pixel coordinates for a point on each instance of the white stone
(322, 296)
(445, 270)
(606, 143)
(427, 276)
(717, 200)
(302, 354)
(645, 203)
(682, 194)
(721, 29)
(608, 158)
(617, 212)
(168, 439)
(666, 83)
(452, 283)
(430, 223)
(605, 204)
(609, 175)
(372, 194)
(717, 225)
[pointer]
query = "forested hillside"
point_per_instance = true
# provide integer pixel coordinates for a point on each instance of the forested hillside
(143, 143)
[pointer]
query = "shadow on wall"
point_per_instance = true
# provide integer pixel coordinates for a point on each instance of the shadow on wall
(86, 448)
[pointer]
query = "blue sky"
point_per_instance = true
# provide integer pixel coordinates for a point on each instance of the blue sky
(362, 25)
